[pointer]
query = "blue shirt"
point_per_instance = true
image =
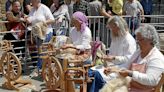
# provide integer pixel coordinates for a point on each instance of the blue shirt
(147, 6)
(8, 3)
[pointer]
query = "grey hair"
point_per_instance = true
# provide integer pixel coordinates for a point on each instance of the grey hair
(120, 23)
(149, 32)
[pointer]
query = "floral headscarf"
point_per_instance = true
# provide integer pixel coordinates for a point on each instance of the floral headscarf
(81, 17)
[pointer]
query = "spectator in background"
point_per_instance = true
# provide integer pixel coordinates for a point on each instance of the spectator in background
(83, 6)
(15, 18)
(147, 6)
(27, 6)
(60, 12)
(47, 2)
(41, 13)
(70, 4)
(114, 7)
(97, 10)
(9, 4)
(133, 8)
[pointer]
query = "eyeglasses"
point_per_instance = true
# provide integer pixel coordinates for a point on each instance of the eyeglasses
(139, 40)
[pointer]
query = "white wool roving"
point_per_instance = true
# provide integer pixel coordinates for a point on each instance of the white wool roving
(119, 84)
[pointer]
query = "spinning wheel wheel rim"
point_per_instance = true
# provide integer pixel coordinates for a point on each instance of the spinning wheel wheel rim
(11, 66)
(52, 78)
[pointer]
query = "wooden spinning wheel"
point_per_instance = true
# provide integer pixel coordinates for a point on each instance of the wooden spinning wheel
(52, 73)
(11, 66)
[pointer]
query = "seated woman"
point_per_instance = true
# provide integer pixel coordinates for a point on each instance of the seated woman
(80, 36)
(122, 47)
(60, 11)
(147, 62)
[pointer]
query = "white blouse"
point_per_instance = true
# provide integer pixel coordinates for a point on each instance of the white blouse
(43, 13)
(154, 64)
(123, 48)
(81, 39)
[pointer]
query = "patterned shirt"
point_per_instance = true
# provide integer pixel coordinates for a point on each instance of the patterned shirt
(82, 6)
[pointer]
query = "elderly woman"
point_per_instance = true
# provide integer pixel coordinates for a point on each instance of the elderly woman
(122, 47)
(41, 13)
(147, 62)
(80, 34)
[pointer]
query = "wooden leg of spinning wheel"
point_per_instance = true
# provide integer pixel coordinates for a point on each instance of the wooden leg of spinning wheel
(21, 81)
(65, 62)
(85, 87)
(9, 85)
(70, 86)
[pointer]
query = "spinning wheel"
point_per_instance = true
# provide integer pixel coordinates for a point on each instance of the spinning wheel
(11, 66)
(52, 72)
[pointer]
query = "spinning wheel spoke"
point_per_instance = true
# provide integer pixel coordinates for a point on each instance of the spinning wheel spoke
(14, 72)
(11, 66)
(52, 71)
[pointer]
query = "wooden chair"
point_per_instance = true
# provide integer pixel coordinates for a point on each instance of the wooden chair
(160, 84)
(74, 73)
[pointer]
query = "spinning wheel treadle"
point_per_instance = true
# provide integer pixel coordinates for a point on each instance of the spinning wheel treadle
(52, 73)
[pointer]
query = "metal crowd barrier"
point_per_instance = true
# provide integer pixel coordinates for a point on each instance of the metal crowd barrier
(97, 24)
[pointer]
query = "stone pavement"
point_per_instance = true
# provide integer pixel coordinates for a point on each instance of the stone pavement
(37, 83)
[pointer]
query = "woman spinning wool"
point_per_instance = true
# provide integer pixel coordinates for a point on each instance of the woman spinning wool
(80, 35)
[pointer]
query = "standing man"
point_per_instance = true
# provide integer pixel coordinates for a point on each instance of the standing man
(133, 8)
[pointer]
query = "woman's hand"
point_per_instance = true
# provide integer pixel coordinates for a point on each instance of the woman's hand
(65, 46)
(107, 70)
(26, 19)
(108, 58)
(125, 73)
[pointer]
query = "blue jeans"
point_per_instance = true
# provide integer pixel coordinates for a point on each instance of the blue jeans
(97, 83)
(39, 43)
(133, 24)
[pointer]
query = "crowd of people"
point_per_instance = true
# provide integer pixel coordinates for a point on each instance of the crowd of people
(126, 51)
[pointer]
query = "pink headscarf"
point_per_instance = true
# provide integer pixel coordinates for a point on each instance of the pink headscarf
(81, 17)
